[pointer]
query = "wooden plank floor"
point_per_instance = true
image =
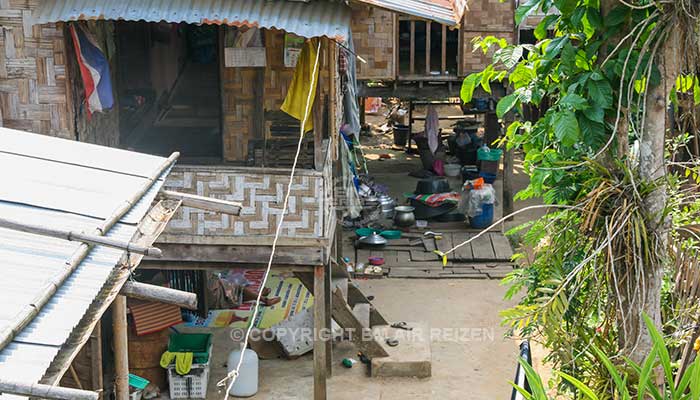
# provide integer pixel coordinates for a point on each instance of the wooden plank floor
(486, 257)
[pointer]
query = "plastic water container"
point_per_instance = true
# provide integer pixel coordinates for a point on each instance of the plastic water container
(247, 382)
(484, 219)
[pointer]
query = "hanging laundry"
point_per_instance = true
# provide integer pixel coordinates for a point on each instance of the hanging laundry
(303, 82)
(432, 128)
(94, 70)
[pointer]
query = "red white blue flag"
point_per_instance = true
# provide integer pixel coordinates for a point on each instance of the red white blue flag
(94, 69)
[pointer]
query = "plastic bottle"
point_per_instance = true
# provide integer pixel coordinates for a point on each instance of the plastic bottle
(247, 382)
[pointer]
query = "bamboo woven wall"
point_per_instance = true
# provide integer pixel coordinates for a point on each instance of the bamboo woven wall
(33, 91)
(484, 18)
(374, 36)
(239, 95)
(374, 39)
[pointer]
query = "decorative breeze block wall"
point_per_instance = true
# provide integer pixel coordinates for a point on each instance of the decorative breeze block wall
(262, 194)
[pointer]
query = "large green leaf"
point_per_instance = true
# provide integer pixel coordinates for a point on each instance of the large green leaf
(595, 113)
(566, 128)
(526, 9)
(601, 92)
(575, 101)
(468, 86)
(506, 104)
(585, 390)
(543, 27)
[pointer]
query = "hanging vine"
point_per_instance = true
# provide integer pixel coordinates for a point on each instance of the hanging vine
(604, 144)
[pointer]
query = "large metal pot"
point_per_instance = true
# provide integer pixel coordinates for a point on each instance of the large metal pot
(403, 216)
(387, 205)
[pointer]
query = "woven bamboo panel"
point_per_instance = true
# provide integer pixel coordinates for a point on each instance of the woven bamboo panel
(32, 73)
(489, 16)
(238, 95)
(262, 196)
(374, 39)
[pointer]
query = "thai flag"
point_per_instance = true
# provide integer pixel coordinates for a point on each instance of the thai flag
(94, 69)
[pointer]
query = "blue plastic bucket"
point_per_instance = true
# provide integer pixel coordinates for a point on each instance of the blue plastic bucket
(483, 220)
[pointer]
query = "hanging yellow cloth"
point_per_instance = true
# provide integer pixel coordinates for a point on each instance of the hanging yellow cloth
(304, 81)
(183, 361)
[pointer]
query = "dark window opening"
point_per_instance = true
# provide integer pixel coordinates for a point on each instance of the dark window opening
(427, 49)
(168, 89)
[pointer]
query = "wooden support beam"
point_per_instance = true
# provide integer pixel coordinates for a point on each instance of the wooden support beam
(427, 47)
(144, 291)
(443, 67)
(204, 203)
(36, 390)
(355, 296)
(412, 64)
(96, 373)
(327, 313)
(508, 161)
(344, 316)
(80, 237)
(121, 349)
(321, 335)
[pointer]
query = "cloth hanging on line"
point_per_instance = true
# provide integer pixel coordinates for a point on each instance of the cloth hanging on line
(94, 70)
(432, 128)
(303, 81)
(183, 361)
(351, 110)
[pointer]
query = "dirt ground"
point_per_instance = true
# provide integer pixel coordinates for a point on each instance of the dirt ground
(471, 358)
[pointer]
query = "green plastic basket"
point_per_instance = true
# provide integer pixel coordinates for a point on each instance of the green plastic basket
(197, 343)
(138, 382)
(486, 155)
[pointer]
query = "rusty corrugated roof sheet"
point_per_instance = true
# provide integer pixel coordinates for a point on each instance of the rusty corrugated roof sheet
(448, 12)
(312, 19)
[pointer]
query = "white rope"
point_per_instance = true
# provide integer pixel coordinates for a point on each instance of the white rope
(233, 375)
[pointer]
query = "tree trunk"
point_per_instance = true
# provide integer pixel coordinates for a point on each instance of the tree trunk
(641, 291)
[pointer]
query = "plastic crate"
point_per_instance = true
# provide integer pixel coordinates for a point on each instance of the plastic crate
(190, 386)
(193, 385)
(197, 343)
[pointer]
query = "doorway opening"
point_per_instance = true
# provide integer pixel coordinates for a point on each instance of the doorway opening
(168, 89)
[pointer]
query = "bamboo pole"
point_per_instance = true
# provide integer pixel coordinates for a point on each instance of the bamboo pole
(121, 348)
(204, 203)
(80, 237)
(29, 311)
(37, 390)
(144, 291)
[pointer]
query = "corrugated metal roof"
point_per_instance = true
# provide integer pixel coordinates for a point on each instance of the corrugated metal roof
(54, 183)
(312, 19)
(448, 12)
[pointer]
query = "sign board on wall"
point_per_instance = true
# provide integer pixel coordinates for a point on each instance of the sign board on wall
(292, 49)
(245, 57)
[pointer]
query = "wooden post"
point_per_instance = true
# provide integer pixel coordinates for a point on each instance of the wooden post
(320, 392)
(327, 325)
(428, 35)
(412, 65)
(121, 351)
(96, 378)
(410, 126)
(443, 67)
(508, 184)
